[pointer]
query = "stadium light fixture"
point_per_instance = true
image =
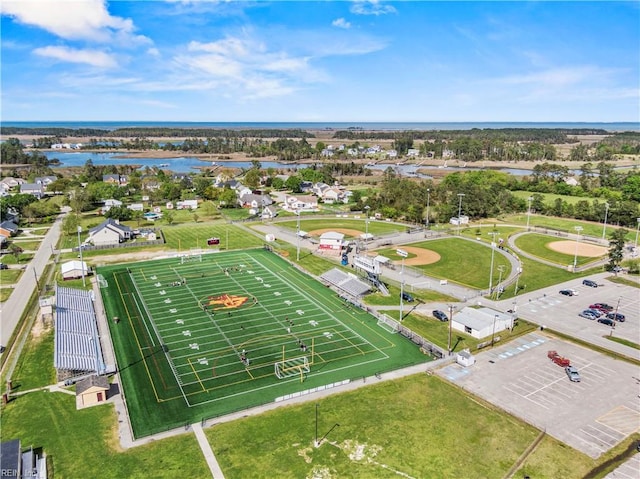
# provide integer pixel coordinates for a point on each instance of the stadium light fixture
(403, 254)
(575, 256)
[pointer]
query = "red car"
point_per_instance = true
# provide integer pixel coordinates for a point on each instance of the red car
(604, 307)
(212, 241)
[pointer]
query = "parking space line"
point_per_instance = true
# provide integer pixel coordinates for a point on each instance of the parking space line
(615, 438)
(527, 398)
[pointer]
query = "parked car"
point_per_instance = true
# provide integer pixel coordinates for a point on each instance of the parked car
(440, 315)
(572, 372)
(3, 266)
(407, 297)
(587, 314)
(596, 312)
(607, 321)
(604, 307)
(569, 292)
(590, 283)
(616, 317)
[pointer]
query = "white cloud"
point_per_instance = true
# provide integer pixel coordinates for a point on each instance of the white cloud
(154, 52)
(74, 20)
(341, 23)
(95, 58)
(371, 7)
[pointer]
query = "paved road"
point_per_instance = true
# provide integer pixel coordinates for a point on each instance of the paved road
(11, 310)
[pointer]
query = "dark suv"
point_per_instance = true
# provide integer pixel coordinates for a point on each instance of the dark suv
(440, 315)
(589, 282)
(407, 297)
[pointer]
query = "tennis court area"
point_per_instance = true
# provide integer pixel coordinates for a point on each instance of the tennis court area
(210, 334)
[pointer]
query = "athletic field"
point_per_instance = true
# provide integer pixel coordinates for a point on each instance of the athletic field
(205, 335)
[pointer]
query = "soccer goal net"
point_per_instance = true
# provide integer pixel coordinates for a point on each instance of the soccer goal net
(191, 257)
(388, 324)
(292, 367)
(102, 282)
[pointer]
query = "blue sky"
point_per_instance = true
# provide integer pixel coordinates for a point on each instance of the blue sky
(356, 61)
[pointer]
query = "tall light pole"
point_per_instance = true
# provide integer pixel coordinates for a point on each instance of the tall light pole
(493, 334)
(606, 212)
(81, 262)
(366, 227)
(403, 254)
(637, 231)
(493, 248)
(530, 199)
(428, 198)
(501, 270)
(460, 195)
(298, 237)
(575, 256)
(451, 310)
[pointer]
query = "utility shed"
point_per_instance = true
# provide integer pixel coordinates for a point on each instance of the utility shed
(92, 390)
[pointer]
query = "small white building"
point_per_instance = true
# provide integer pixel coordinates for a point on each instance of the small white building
(136, 207)
(74, 269)
(465, 358)
(481, 323)
(459, 220)
(332, 240)
(187, 205)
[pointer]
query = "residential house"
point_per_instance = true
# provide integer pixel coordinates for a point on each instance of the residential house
(10, 182)
(300, 203)
(462, 220)
(8, 229)
(254, 201)
(413, 152)
(45, 180)
(110, 203)
(571, 181)
(120, 180)
(136, 207)
(392, 153)
(34, 189)
(269, 212)
(333, 195)
(109, 232)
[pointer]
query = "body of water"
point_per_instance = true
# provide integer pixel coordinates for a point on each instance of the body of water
(391, 126)
(187, 164)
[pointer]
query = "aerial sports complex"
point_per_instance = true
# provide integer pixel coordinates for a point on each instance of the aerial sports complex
(204, 335)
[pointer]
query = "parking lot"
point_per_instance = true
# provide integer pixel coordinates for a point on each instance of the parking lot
(592, 415)
(550, 308)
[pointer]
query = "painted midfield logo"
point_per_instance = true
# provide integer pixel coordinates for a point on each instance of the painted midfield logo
(227, 301)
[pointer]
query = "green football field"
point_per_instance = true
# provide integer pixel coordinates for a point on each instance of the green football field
(211, 334)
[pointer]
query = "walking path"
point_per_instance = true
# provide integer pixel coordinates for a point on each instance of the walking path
(214, 467)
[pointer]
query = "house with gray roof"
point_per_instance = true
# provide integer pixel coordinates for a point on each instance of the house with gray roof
(109, 232)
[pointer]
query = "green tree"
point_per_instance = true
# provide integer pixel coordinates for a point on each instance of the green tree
(70, 224)
(252, 178)
(168, 217)
(616, 248)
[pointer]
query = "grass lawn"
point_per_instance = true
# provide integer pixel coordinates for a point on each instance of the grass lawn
(554, 459)
(550, 198)
(463, 262)
(375, 227)
(9, 276)
(85, 443)
(536, 275)
(22, 258)
(626, 342)
(564, 224)
(425, 295)
(27, 245)
(35, 366)
(438, 332)
(422, 427)
(195, 236)
(481, 232)
(5, 293)
(623, 280)
(536, 245)
(235, 213)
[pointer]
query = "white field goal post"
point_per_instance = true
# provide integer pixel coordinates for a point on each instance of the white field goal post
(388, 324)
(194, 255)
(292, 367)
(102, 282)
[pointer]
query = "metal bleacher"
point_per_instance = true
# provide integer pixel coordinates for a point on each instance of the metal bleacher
(77, 346)
(346, 282)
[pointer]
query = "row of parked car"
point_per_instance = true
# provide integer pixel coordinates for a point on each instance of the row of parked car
(603, 313)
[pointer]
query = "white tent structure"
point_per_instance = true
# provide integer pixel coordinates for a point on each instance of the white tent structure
(74, 269)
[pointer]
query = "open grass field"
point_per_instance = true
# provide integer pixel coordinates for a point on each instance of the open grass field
(538, 245)
(375, 227)
(550, 198)
(235, 330)
(423, 427)
(195, 236)
(461, 261)
(9, 276)
(565, 224)
(85, 443)
(34, 368)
